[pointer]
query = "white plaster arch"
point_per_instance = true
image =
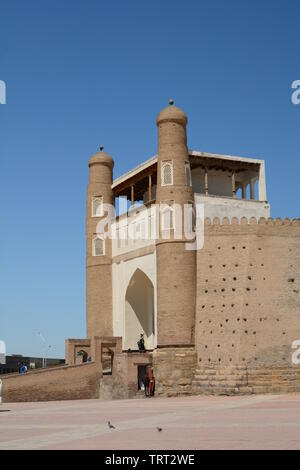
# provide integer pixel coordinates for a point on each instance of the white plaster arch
(122, 274)
(139, 311)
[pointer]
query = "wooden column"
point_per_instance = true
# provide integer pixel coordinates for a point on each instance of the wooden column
(244, 194)
(252, 192)
(132, 195)
(206, 181)
(150, 187)
(233, 185)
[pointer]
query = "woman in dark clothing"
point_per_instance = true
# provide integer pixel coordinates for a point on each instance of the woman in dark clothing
(146, 384)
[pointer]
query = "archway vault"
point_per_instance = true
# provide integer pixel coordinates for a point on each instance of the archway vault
(139, 311)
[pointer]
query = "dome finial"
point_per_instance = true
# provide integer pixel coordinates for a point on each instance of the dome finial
(101, 148)
(172, 114)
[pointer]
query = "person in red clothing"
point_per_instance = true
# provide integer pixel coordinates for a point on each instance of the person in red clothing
(151, 382)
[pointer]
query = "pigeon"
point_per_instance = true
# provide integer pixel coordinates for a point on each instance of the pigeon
(110, 425)
(158, 428)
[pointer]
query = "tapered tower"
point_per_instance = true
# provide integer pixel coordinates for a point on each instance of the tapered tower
(176, 266)
(98, 249)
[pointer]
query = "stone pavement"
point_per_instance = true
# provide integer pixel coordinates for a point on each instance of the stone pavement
(202, 422)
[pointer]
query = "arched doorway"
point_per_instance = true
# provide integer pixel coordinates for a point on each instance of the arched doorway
(81, 356)
(139, 311)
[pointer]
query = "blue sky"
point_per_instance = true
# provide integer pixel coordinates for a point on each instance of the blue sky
(84, 73)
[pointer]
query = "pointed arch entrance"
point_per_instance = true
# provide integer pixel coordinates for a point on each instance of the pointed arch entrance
(139, 311)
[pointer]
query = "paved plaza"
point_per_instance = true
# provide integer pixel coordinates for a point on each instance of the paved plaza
(253, 422)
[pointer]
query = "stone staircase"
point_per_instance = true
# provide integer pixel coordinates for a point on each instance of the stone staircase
(243, 380)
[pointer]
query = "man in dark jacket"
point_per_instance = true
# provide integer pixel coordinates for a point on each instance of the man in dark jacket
(141, 343)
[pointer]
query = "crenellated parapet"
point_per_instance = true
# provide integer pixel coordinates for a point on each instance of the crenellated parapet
(251, 221)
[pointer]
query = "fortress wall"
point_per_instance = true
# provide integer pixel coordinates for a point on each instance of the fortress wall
(248, 293)
(174, 369)
(57, 383)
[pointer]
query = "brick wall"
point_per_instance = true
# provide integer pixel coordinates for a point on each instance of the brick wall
(124, 379)
(248, 293)
(174, 369)
(59, 383)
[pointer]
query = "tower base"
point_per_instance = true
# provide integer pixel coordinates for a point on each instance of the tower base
(174, 368)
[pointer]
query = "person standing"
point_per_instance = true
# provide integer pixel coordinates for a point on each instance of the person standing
(146, 384)
(151, 383)
(141, 343)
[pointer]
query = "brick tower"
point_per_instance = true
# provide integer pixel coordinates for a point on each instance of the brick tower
(98, 250)
(176, 266)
